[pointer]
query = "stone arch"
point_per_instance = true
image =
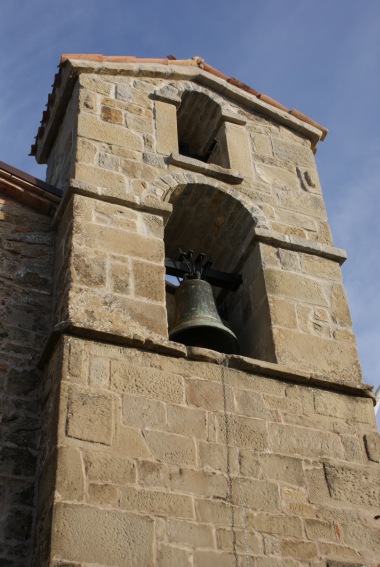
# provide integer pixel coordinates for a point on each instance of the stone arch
(214, 218)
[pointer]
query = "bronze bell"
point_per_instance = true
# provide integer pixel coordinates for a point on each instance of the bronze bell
(197, 322)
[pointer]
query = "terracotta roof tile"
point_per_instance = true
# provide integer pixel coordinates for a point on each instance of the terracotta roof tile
(28, 189)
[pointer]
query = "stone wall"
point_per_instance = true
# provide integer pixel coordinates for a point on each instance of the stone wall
(26, 278)
(167, 461)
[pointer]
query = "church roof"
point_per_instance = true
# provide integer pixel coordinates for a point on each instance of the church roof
(290, 116)
(28, 190)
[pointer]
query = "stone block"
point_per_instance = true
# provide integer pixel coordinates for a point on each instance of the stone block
(251, 404)
(99, 177)
(296, 154)
(345, 407)
(193, 534)
(204, 394)
(99, 372)
(187, 421)
(318, 530)
(131, 442)
(200, 483)
(89, 534)
(215, 456)
(339, 307)
(288, 526)
(147, 382)
(166, 127)
(352, 448)
(239, 541)
(144, 413)
(155, 474)
(110, 239)
(88, 267)
(321, 267)
(149, 281)
(339, 552)
(256, 494)
(218, 513)
(298, 220)
(281, 468)
(90, 127)
(155, 502)
(301, 550)
(110, 114)
(109, 468)
(248, 463)
(86, 152)
(239, 153)
(170, 448)
(250, 433)
(317, 486)
(301, 202)
(94, 83)
(372, 445)
(103, 494)
(90, 416)
(212, 558)
(363, 538)
(277, 176)
(262, 145)
(119, 276)
(168, 556)
(290, 440)
(355, 485)
(336, 360)
(290, 260)
(295, 286)
(137, 123)
(70, 475)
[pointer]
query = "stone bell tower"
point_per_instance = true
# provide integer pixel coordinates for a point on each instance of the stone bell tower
(154, 453)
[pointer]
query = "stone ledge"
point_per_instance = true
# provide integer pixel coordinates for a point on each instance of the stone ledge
(163, 346)
(300, 245)
(148, 205)
(208, 169)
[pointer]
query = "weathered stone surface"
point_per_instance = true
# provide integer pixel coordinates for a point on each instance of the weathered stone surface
(336, 360)
(70, 478)
(169, 448)
(154, 502)
(295, 286)
(91, 128)
(90, 416)
(282, 468)
(194, 534)
(372, 445)
(147, 382)
(344, 407)
(301, 550)
(289, 440)
(200, 483)
(169, 555)
(142, 412)
(358, 485)
(84, 533)
(104, 467)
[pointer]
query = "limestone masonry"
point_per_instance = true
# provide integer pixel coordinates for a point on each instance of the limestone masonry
(121, 448)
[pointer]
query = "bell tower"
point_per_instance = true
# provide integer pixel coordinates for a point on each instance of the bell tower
(164, 452)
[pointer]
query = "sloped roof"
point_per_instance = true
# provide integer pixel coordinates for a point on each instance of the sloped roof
(28, 190)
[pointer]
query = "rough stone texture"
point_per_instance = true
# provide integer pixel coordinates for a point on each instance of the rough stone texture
(26, 281)
(187, 460)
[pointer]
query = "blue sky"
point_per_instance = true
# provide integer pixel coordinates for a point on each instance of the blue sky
(319, 56)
